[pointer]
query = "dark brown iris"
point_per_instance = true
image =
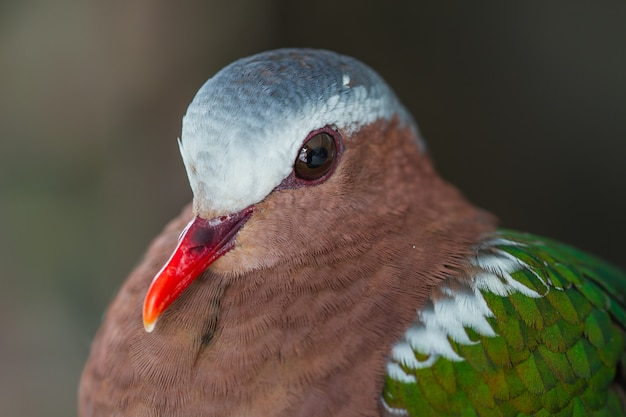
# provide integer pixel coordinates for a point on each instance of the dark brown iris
(316, 157)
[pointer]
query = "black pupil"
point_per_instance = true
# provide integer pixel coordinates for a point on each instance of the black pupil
(316, 157)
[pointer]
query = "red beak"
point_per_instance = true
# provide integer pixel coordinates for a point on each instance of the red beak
(201, 243)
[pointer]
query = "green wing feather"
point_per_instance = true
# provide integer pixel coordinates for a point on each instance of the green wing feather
(554, 355)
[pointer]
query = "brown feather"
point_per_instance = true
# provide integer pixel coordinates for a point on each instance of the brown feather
(299, 317)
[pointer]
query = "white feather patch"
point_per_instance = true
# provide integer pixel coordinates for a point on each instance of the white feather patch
(448, 316)
(392, 410)
(395, 372)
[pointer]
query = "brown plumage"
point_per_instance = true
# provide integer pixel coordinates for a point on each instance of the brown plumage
(299, 317)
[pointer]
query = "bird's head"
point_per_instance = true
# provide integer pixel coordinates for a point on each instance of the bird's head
(264, 131)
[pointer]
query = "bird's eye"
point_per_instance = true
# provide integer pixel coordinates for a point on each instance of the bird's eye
(316, 157)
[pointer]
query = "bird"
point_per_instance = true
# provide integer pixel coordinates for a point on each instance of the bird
(324, 268)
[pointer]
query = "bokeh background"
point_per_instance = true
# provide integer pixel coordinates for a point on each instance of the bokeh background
(523, 105)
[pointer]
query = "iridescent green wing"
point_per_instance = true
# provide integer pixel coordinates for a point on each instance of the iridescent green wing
(552, 347)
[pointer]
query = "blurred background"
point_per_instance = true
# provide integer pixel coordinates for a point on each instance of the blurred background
(523, 105)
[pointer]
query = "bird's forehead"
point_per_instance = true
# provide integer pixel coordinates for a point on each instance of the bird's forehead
(245, 125)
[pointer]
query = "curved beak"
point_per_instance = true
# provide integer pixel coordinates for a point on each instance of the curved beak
(201, 243)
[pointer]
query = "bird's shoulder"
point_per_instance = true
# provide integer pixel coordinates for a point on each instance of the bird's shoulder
(531, 326)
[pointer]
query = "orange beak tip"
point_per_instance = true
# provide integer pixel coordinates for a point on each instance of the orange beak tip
(149, 326)
(151, 314)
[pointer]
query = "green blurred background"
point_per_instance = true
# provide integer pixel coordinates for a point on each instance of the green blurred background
(523, 105)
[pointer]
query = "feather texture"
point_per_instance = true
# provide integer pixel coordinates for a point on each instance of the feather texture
(542, 332)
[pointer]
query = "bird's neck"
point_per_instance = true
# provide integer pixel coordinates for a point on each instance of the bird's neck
(316, 338)
(306, 337)
(314, 333)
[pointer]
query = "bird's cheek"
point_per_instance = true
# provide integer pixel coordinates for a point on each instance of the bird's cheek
(253, 249)
(241, 259)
